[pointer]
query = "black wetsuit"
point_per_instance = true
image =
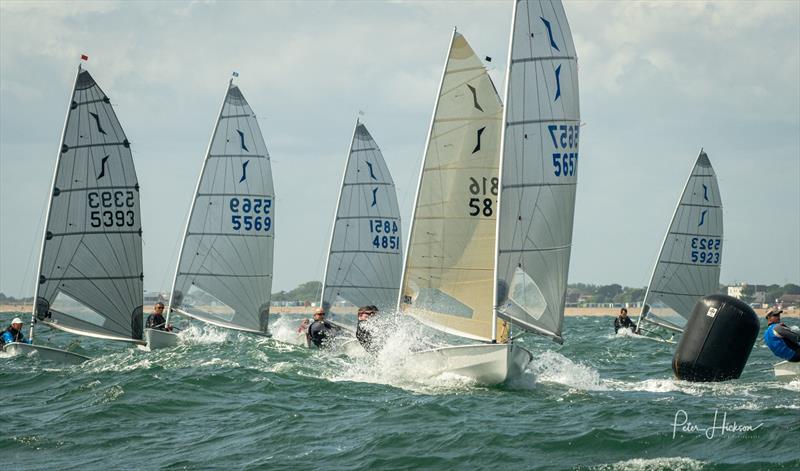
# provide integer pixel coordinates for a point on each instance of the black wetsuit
(620, 323)
(364, 336)
(319, 331)
(156, 321)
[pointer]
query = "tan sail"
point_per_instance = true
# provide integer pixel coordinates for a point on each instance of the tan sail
(449, 271)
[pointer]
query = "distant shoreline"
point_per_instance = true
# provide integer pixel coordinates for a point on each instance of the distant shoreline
(569, 312)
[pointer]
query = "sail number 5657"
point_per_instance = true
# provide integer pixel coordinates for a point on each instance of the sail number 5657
(564, 137)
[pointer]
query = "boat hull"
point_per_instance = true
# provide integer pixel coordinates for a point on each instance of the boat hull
(787, 371)
(45, 353)
(159, 339)
(487, 364)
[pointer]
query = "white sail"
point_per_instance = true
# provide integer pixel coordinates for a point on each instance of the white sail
(90, 271)
(688, 264)
(448, 277)
(365, 253)
(538, 170)
(224, 274)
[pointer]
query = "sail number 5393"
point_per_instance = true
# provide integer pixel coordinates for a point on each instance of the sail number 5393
(564, 137)
(480, 204)
(114, 208)
(250, 214)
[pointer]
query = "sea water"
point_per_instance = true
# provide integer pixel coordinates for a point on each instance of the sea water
(221, 399)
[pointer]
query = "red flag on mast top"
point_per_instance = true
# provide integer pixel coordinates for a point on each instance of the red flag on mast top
(84, 57)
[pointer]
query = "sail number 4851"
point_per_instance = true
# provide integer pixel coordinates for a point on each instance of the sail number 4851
(384, 230)
(480, 204)
(250, 214)
(564, 137)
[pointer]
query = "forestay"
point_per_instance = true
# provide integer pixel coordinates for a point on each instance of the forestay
(688, 264)
(224, 274)
(365, 254)
(539, 169)
(90, 271)
(448, 276)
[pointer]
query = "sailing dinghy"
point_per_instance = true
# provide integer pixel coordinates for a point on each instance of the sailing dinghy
(489, 247)
(787, 371)
(224, 271)
(90, 266)
(688, 263)
(365, 251)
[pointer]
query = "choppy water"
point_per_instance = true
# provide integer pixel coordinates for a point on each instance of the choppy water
(225, 400)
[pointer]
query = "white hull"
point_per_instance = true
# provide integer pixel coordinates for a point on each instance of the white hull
(787, 371)
(159, 339)
(45, 353)
(487, 364)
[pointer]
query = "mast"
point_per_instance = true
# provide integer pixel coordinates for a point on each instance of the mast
(500, 171)
(50, 205)
(194, 200)
(336, 215)
(422, 170)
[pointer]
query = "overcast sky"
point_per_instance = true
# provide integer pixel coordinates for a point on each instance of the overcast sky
(658, 81)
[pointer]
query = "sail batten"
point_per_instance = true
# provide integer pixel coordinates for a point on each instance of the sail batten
(224, 271)
(90, 269)
(448, 275)
(538, 173)
(688, 263)
(365, 250)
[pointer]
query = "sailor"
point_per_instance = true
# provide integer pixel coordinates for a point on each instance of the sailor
(364, 330)
(13, 333)
(623, 321)
(320, 330)
(782, 340)
(156, 320)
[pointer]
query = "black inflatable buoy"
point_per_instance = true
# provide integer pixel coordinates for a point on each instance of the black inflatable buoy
(717, 340)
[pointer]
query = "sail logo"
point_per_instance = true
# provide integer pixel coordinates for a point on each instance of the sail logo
(374, 197)
(371, 173)
(702, 217)
(475, 98)
(550, 34)
(478, 145)
(558, 83)
(97, 121)
(705, 192)
(241, 141)
(244, 171)
(102, 168)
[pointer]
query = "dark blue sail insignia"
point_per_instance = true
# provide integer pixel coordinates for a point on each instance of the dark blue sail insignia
(705, 192)
(97, 121)
(478, 145)
(241, 141)
(558, 83)
(102, 168)
(244, 171)
(475, 98)
(550, 33)
(374, 197)
(371, 173)
(702, 217)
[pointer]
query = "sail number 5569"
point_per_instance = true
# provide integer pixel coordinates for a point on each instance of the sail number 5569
(250, 214)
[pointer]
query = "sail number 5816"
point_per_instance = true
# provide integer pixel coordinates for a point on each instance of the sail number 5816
(480, 204)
